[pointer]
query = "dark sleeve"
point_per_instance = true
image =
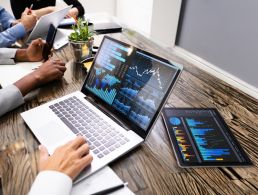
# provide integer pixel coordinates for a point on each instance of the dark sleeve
(76, 4)
(18, 7)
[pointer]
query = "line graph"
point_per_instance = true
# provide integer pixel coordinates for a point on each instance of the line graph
(152, 72)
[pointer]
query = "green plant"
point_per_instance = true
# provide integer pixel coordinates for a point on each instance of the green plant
(81, 31)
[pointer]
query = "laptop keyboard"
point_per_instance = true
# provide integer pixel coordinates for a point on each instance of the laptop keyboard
(81, 120)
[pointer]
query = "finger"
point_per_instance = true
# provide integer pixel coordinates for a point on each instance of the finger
(59, 74)
(59, 62)
(61, 68)
(77, 142)
(43, 155)
(85, 161)
(83, 150)
(26, 10)
(38, 42)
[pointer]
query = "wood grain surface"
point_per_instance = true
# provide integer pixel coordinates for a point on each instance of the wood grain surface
(150, 168)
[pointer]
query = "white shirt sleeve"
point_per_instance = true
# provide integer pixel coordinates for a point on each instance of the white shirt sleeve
(7, 55)
(51, 183)
(10, 98)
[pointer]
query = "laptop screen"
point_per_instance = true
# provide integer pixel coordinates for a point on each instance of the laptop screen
(133, 83)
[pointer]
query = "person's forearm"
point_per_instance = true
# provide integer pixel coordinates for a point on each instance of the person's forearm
(44, 11)
(28, 83)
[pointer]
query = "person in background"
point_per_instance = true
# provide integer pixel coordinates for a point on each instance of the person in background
(13, 30)
(12, 95)
(42, 7)
(58, 170)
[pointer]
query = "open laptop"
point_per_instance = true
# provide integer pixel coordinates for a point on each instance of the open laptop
(116, 108)
(41, 28)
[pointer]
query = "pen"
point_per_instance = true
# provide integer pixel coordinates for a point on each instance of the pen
(30, 9)
(109, 190)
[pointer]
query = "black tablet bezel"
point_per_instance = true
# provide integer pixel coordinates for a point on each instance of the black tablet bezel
(177, 151)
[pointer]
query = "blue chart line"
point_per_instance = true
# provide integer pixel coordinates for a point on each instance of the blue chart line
(207, 139)
(142, 120)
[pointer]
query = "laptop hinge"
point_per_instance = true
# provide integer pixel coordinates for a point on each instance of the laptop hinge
(107, 112)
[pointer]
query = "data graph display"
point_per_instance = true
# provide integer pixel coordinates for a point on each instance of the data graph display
(209, 139)
(145, 84)
(131, 81)
(108, 72)
(151, 71)
(185, 146)
(200, 137)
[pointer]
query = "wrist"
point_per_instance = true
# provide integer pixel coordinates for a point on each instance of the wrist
(37, 77)
(21, 55)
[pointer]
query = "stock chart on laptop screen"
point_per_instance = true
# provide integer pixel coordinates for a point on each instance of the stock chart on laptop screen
(131, 81)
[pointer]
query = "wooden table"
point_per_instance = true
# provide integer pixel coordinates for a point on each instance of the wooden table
(151, 168)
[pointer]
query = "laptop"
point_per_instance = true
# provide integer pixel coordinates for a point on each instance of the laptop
(41, 28)
(116, 108)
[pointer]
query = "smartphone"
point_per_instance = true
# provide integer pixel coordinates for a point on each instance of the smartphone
(49, 42)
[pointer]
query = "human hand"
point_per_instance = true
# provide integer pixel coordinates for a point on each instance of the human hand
(34, 51)
(73, 13)
(28, 19)
(69, 159)
(49, 71)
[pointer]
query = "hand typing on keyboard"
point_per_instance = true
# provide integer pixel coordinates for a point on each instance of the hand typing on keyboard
(69, 159)
(102, 137)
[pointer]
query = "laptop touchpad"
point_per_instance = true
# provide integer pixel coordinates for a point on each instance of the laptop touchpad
(53, 134)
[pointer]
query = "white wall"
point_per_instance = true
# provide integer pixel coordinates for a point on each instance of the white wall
(164, 23)
(108, 6)
(136, 14)
(157, 19)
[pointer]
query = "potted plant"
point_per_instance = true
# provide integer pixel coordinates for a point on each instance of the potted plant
(81, 40)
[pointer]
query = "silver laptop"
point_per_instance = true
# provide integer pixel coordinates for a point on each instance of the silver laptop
(116, 108)
(42, 26)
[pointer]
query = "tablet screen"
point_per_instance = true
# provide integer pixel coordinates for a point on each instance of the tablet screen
(201, 138)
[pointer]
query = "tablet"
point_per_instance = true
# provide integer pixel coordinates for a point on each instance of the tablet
(200, 138)
(41, 28)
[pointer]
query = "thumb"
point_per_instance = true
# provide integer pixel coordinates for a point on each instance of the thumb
(43, 156)
(26, 10)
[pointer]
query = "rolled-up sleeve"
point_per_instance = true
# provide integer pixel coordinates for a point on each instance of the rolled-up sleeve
(10, 35)
(51, 183)
(10, 98)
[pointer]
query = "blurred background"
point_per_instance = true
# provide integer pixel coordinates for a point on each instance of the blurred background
(156, 19)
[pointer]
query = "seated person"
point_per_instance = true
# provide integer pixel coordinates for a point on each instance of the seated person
(14, 30)
(42, 7)
(12, 96)
(58, 170)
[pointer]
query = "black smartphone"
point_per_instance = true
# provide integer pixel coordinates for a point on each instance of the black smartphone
(49, 42)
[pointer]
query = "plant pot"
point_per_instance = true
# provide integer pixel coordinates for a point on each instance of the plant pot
(81, 49)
